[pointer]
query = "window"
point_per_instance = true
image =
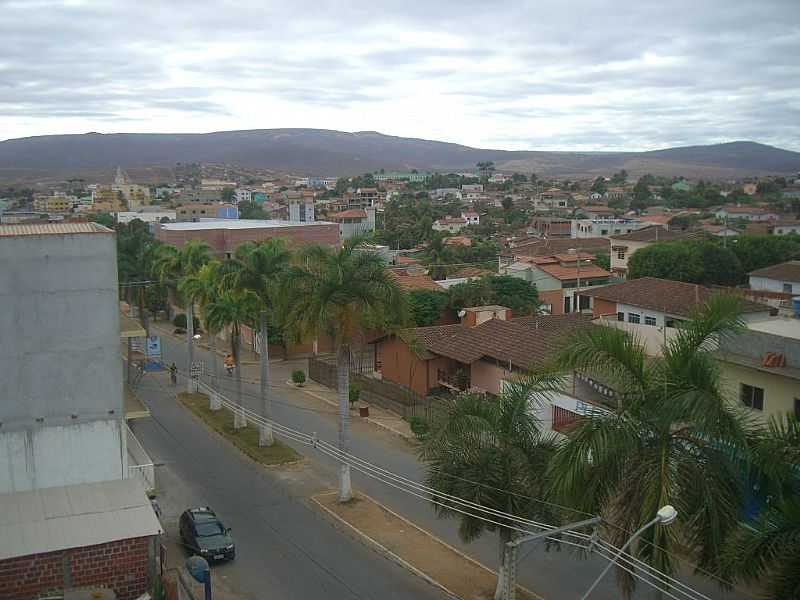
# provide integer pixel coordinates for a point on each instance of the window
(787, 288)
(604, 232)
(621, 254)
(634, 318)
(648, 320)
(620, 316)
(752, 397)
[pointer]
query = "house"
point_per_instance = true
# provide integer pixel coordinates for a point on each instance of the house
(441, 193)
(783, 278)
(354, 221)
(719, 230)
(659, 302)
(480, 353)
(786, 227)
(616, 193)
(624, 245)
(749, 213)
(761, 367)
(600, 227)
(560, 279)
(552, 227)
(472, 188)
(553, 198)
(533, 247)
(596, 212)
(364, 197)
(415, 279)
(449, 224)
(196, 211)
(302, 208)
(471, 217)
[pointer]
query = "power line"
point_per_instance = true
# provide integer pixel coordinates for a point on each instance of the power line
(396, 481)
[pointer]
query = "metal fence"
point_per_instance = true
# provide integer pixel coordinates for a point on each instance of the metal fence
(140, 465)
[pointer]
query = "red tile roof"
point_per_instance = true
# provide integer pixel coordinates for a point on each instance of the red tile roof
(665, 295)
(416, 282)
(523, 342)
(788, 271)
(571, 272)
(654, 233)
(550, 247)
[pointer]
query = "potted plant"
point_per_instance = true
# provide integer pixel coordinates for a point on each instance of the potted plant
(354, 395)
(298, 377)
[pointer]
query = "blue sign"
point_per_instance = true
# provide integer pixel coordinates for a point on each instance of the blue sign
(152, 353)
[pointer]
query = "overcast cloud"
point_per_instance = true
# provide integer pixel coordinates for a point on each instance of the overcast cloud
(570, 75)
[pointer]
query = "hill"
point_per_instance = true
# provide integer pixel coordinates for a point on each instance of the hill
(325, 152)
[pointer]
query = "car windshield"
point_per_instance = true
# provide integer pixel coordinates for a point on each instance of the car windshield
(209, 528)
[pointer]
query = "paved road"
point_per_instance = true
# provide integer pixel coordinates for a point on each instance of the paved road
(285, 548)
(552, 574)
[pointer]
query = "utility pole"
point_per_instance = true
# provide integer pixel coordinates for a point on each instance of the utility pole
(510, 589)
(190, 341)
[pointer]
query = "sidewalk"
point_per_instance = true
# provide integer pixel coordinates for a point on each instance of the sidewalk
(381, 417)
(248, 357)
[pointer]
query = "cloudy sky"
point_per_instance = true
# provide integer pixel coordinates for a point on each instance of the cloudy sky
(564, 74)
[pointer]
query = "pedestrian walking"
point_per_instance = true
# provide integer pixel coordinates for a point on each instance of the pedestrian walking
(173, 374)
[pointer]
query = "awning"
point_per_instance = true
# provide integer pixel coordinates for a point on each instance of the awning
(130, 328)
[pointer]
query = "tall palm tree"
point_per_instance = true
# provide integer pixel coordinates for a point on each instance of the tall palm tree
(337, 292)
(436, 254)
(673, 440)
(170, 265)
(492, 452)
(204, 288)
(233, 308)
(767, 551)
(257, 267)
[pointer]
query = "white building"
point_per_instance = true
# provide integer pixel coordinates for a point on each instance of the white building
(148, 216)
(472, 187)
(592, 228)
(302, 210)
(786, 228)
(783, 278)
(242, 195)
(61, 404)
(471, 217)
(355, 221)
(450, 224)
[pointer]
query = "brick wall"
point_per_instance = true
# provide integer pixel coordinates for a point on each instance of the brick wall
(122, 566)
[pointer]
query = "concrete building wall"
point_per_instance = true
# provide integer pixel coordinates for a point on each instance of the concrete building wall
(773, 285)
(400, 365)
(780, 392)
(60, 366)
(488, 377)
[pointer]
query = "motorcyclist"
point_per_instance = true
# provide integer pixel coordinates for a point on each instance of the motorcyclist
(229, 364)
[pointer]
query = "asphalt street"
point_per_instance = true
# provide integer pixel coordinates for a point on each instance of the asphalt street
(286, 549)
(550, 573)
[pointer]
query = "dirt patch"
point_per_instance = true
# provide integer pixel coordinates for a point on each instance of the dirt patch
(246, 438)
(455, 572)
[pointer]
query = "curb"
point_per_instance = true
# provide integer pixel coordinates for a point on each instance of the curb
(436, 538)
(380, 547)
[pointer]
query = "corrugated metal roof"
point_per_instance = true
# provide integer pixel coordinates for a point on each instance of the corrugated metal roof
(53, 519)
(52, 229)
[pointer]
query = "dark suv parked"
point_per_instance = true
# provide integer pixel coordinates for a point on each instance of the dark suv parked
(204, 534)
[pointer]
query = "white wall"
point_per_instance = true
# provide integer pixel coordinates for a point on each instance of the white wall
(44, 457)
(772, 285)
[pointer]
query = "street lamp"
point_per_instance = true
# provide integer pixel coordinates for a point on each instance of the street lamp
(198, 568)
(665, 515)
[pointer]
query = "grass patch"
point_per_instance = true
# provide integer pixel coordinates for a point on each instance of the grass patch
(246, 438)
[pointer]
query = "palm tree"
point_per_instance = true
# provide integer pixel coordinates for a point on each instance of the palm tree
(492, 452)
(257, 267)
(233, 308)
(204, 288)
(337, 292)
(170, 265)
(436, 255)
(673, 440)
(767, 551)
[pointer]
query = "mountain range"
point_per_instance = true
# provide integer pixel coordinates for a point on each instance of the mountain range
(327, 152)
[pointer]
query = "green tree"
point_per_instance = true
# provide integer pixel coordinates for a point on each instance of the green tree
(492, 453)
(426, 306)
(339, 292)
(105, 219)
(599, 185)
(233, 308)
(758, 251)
(508, 203)
(170, 265)
(258, 267)
(603, 261)
(227, 194)
(251, 210)
(514, 293)
(437, 256)
(692, 261)
(766, 552)
(662, 445)
(204, 287)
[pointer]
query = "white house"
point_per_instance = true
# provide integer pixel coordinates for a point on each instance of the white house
(600, 227)
(450, 224)
(786, 228)
(783, 278)
(471, 217)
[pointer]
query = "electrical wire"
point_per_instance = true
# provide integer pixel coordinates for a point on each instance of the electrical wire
(397, 482)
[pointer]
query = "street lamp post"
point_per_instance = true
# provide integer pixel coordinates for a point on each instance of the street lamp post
(666, 515)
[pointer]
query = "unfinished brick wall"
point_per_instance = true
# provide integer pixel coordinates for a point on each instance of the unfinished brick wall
(122, 566)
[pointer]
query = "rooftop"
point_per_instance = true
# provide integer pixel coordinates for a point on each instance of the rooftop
(665, 295)
(52, 229)
(788, 328)
(239, 224)
(550, 247)
(788, 271)
(572, 272)
(653, 233)
(52, 519)
(355, 213)
(522, 342)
